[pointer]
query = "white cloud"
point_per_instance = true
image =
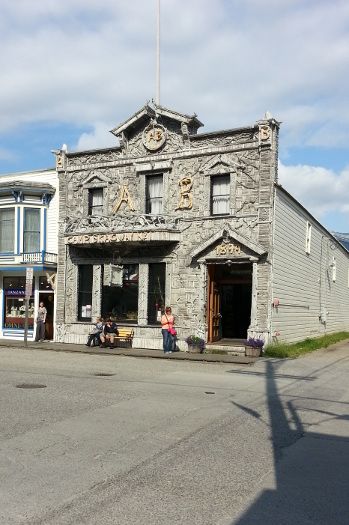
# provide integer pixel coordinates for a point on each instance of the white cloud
(97, 138)
(87, 61)
(320, 190)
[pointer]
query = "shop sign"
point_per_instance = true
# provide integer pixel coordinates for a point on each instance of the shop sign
(228, 248)
(15, 291)
(110, 238)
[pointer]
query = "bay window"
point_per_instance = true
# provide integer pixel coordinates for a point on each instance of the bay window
(31, 230)
(7, 230)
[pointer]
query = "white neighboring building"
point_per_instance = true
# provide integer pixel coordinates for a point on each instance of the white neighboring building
(28, 238)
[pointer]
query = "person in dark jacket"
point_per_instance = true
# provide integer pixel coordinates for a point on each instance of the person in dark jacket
(110, 330)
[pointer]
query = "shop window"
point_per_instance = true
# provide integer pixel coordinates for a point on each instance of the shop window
(156, 292)
(85, 281)
(95, 201)
(120, 299)
(14, 304)
(7, 230)
(220, 195)
(31, 230)
(154, 194)
(44, 284)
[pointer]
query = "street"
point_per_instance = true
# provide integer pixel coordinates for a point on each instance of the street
(88, 439)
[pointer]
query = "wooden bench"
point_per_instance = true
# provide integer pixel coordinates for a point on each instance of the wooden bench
(125, 335)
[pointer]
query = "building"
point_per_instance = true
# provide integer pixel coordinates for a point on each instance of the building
(198, 221)
(28, 238)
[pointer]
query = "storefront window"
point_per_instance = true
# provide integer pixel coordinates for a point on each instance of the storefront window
(14, 307)
(156, 292)
(121, 302)
(85, 292)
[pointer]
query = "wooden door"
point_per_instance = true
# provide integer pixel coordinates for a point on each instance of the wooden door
(214, 306)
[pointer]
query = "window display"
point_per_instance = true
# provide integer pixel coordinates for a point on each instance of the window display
(121, 302)
(14, 310)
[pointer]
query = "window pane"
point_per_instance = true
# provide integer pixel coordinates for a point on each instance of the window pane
(95, 206)
(121, 302)
(154, 194)
(31, 233)
(220, 194)
(156, 291)
(7, 229)
(85, 292)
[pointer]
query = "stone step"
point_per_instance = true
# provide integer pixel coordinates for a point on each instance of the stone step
(229, 349)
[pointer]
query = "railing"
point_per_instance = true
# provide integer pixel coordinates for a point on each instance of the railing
(94, 223)
(39, 257)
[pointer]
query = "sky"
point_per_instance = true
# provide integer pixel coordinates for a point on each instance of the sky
(71, 70)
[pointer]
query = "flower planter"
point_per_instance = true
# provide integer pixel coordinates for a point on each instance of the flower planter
(251, 351)
(194, 349)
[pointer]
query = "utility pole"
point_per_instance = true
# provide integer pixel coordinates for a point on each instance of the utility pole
(28, 292)
(157, 99)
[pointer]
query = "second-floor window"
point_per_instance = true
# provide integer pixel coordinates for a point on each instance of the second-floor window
(220, 195)
(7, 230)
(95, 201)
(154, 194)
(31, 230)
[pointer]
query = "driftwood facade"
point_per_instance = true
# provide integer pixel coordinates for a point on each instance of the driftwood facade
(173, 216)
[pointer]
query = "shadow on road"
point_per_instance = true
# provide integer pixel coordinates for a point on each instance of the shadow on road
(310, 478)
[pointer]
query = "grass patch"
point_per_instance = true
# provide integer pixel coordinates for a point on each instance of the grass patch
(303, 347)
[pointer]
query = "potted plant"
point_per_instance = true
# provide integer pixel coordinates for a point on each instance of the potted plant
(253, 347)
(195, 344)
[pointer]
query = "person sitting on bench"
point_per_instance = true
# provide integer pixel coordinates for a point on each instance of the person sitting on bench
(96, 333)
(109, 332)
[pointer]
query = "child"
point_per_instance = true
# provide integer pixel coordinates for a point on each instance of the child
(95, 334)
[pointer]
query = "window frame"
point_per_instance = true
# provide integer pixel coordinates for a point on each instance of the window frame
(90, 192)
(308, 232)
(24, 231)
(213, 181)
(148, 199)
(81, 302)
(13, 208)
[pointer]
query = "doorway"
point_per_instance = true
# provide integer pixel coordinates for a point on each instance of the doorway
(229, 301)
(48, 299)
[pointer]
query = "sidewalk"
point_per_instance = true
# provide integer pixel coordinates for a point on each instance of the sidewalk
(130, 352)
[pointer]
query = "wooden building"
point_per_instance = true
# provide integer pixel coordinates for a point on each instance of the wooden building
(197, 221)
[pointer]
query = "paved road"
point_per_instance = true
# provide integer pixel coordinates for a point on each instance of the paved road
(163, 442)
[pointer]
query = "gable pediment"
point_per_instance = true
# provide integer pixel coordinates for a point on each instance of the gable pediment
(227, 244)
(156, 113)
(219, 165)
(95, 179)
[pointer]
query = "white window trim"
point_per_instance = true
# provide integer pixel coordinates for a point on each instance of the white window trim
(308, 238)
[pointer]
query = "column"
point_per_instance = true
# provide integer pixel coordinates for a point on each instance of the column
(96, 291)
(143, 281)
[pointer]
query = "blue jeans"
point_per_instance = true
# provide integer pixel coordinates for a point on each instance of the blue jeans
(167, 340)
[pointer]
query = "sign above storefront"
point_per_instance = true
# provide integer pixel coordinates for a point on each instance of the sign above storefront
(111, 238)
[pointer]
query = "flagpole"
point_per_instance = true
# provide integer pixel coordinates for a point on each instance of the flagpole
(157, 99)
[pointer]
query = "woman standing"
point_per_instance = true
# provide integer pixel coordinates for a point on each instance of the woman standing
(40, 323)
(167, 324)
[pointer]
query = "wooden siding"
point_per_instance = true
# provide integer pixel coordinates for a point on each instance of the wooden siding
(311, 304)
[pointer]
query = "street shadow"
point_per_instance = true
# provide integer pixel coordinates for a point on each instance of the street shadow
(310, 478)
(276, 375)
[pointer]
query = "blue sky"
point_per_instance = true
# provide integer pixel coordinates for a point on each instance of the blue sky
(74, 69)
